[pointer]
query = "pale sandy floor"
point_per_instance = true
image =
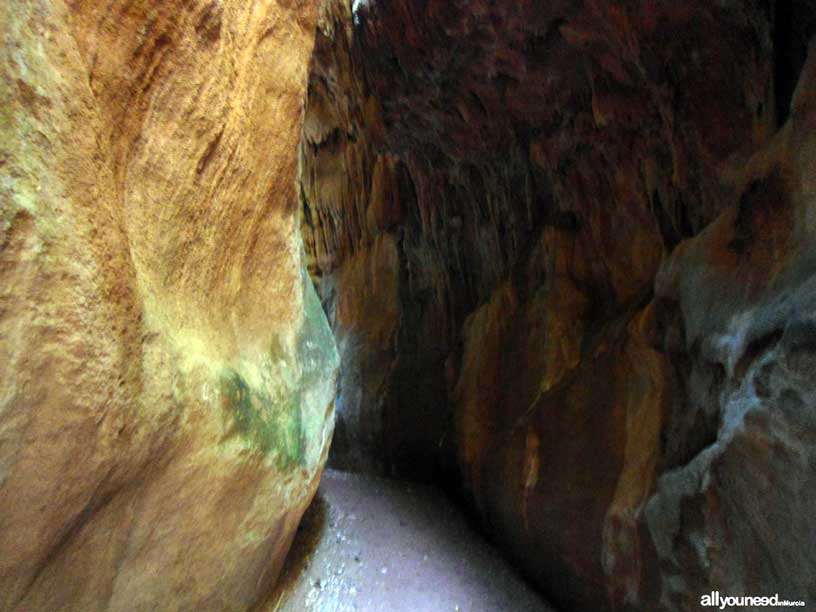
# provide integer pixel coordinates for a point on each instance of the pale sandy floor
(377, 545)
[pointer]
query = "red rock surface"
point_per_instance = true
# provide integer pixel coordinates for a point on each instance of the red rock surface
(490, 191)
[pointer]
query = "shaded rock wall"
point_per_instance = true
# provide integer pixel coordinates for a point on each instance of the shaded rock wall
(742, 298)
(167, 372)
(522, 220)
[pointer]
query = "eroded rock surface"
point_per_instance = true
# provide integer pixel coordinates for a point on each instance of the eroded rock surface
(735, 515)
(167, 372)
(564, 248)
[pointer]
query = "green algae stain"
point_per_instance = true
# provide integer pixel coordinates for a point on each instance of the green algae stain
(270, 427)
(285, 416)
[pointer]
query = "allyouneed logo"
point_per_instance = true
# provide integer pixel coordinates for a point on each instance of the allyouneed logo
(715, 600)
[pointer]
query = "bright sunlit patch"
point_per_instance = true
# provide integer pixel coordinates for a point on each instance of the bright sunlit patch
(356, 5)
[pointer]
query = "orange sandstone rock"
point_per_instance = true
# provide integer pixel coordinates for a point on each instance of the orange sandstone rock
(167, 372)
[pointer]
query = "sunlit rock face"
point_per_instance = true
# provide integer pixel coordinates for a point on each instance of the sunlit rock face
(565, 249)
(166, 371)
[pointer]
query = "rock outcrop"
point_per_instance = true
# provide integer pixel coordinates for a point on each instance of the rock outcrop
(564, 249)
(167, 371)
(731, 510)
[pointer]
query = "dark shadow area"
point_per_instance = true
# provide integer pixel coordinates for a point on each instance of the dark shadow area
(794, 24)
(309, 534)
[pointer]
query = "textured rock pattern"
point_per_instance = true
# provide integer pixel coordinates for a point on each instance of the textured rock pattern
(167, 372)
(561, 244)
(736, 514)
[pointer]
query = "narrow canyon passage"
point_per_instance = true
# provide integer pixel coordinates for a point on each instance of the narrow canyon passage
(370, 544)
(469, 290)
(565, 249)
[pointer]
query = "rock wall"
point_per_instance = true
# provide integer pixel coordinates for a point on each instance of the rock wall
(167, 372)
(563, 247)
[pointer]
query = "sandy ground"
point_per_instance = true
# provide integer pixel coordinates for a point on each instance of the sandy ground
(368, 545)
